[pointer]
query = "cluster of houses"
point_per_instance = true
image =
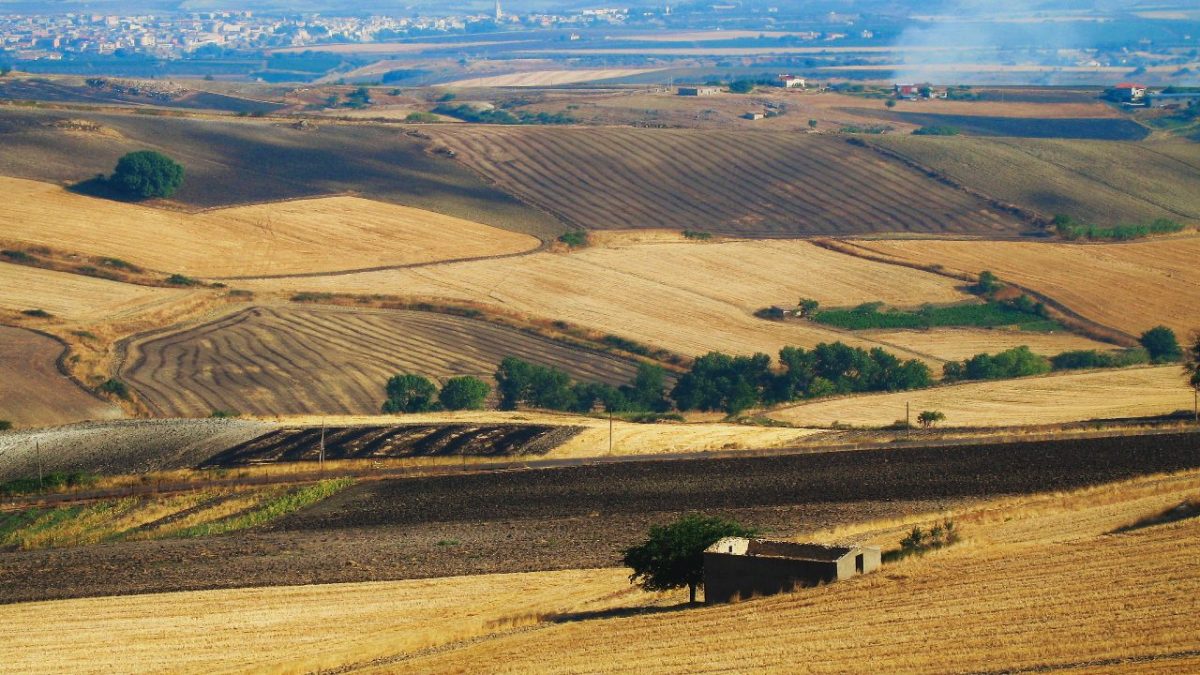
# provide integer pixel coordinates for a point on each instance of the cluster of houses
(914, 92)
(1134, 94)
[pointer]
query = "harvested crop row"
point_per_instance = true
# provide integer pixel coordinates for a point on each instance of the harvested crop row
(264, 361)
(755, 184)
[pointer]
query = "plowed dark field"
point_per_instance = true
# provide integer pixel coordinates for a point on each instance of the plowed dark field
(409, 440)
(579, 516)
(262, 360)
(758, 184)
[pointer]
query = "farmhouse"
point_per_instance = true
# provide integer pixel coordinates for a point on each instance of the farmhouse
(753, 115)
(736, 568)
(1128, 92)
(791, 82)
(699, 91)
(912, 92)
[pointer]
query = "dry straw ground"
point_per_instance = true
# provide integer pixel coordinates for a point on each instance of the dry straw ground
(687, 298)
(1131, 286)
(1038, 400)
(75, 298)
(550, 78)
(310, 235)
(1037, 583)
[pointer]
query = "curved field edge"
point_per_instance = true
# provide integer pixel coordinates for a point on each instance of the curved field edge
(258, 361)
(36, 389)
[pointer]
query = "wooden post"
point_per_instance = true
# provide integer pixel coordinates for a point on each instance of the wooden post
(610, 432)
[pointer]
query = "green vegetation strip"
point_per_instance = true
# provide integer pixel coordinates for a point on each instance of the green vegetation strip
(1026, 316)
(272, 508)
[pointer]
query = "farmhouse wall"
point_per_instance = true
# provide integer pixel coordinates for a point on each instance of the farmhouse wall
(729, 578)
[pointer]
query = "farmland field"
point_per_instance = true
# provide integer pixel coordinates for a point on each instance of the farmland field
(1031, 590)
(32, 390)
(1130, 392)
(261, 361)
(1130, 286)
(689, 298)
(1100, 129)
(754, 183)
(254, 161)
(579, 516)
(549, 78)
(312, 235)
(72, 297)
(1077, 178)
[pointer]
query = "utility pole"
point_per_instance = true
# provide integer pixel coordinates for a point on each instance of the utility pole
(610, 432)
(322, 452)
(37, 450)
(907, 416)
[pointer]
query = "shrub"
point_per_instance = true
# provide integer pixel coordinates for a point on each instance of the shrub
(223, 414)
(37, 313)
(421, 117)
(1016, 362)
(1083, 359)
(919, 542)
(181, 280)
(147, 174)
(928, 418)
(409, 394)
(697, 235)
(115, 387)
(464, 393)
(17, 256)
(937, 131)
(574, 238)
(1161, 344)
(5, 425)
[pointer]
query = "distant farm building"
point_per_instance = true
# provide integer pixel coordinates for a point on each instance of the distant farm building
(1173, 99)
(912, 92)
(1128, 92)
(791, 82)
(736, 568)
(699, 91)
(754, 116)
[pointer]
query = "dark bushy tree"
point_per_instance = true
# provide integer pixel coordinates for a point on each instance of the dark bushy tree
(721, 382)
(673, 555)
(464, 393)
(647, 393)
(1016, 362)
(1162, 345)
(147, 174)
(409, 394)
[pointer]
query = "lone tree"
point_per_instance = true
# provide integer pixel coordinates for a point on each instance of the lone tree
(1191, 368)
(464, 393)
(673, 556)
(928, 418)
(1162, 345)
(409, 394)
(147, 174)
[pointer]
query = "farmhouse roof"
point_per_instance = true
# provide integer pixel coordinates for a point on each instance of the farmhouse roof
(764, 548)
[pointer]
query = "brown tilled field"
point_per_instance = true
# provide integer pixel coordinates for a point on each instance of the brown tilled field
(751, 183)
(32, 390)
(278, 361)
(1052, 399)
(689, 298)
(1130, 286)
(302, 236)
(1082, 179)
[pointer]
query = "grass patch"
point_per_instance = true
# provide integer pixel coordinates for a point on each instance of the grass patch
(271, 509)
(574, 238)
(1072, 230)
(38, 313)
(991, 314)
(48, 482)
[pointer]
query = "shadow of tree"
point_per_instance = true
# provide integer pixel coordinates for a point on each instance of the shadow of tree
(100, 188)
(617, 613)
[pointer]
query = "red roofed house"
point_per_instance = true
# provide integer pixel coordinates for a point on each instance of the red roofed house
(1128, 92)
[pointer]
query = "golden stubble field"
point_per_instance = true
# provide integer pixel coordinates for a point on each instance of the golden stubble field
(33, 392)
(1037, 582)
(688, 298)
(1130, 286)
(1050, 399)
(302, 236)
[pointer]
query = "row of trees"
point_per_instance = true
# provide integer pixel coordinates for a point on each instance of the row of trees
(415, 393)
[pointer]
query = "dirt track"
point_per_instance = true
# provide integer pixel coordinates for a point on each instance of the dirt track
(578, 516)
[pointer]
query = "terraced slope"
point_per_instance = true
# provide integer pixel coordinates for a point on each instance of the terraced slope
(33, 392)
(299, 236)
(279, 361)
(758, 184)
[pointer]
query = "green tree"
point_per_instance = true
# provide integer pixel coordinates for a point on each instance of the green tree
(928, 418)
(812, 124)
(808, 307)
(147, 174)
(742, 87)
(409, 394)
(648, 390)
(1162, 344)
(464, 393)
(1191, 368)
(673, 555)
(5, 425)
(891, 103)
